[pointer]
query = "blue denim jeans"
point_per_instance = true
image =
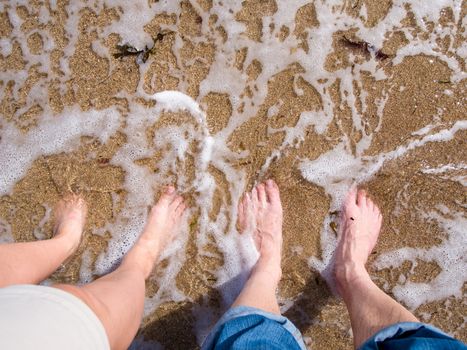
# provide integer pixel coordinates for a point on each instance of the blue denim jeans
(245, 327)
(412, 335)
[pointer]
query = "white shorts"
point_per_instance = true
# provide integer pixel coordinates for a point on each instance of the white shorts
(39, 317)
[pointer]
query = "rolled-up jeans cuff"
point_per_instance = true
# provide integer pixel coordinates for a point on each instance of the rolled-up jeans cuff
(240, 311)
(397, 330)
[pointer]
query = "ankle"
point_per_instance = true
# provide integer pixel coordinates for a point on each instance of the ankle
(149, 245)
(268, 270)
(139, 259)
(143, 255)
(349, 275)
(68, 242)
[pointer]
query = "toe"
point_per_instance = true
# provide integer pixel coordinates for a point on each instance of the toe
(176, 202)
(375, 208)
(241, 213)
(180, 209)
(241, 206)
(272, 191)
(351, 199)
(71, 203)
(262, 195)
(169, 189)
(254, 198)
(378, 211)
(361, 198)
(247, 202)
(168, 195)
(370, 204)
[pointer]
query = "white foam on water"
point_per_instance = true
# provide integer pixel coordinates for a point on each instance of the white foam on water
(450, 256)
(133, 16)
(423, 131)
(54, 134)
(445, 168)
(335, 171)
(86, 269)
(453, 172)
(6, 47)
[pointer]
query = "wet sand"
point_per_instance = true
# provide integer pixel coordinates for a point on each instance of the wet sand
(399, 187)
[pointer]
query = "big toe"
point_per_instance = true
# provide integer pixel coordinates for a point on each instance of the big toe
(351, 199)
(168, 195)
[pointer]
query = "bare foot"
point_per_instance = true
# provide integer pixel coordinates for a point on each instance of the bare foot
(70, 216)
(359, 230)
(160, 229)
(261, 212)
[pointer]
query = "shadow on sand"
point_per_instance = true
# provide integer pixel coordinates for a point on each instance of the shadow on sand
(173, 324)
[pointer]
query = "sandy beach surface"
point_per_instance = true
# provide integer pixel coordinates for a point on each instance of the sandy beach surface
(317, 95)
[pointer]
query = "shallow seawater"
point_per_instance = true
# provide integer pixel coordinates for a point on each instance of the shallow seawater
(114, 99)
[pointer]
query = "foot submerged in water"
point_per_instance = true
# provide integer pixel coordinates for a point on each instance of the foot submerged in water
(70, 216)
(260, 211)
(359, 229)
(160, 228)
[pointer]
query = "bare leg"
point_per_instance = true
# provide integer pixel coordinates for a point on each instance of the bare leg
(32, 262)
(261, 211)
(118, 298)
(369, 307)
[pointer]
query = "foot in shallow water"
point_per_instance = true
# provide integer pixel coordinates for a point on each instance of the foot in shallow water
(359, 230)
(160, 228)
(70, 216)
(260, 212)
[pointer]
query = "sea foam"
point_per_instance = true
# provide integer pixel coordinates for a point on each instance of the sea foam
(335, 171)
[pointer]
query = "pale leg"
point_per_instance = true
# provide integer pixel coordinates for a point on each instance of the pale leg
(118, 298)
(261, 212)
(32, 262)
(369, 307)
